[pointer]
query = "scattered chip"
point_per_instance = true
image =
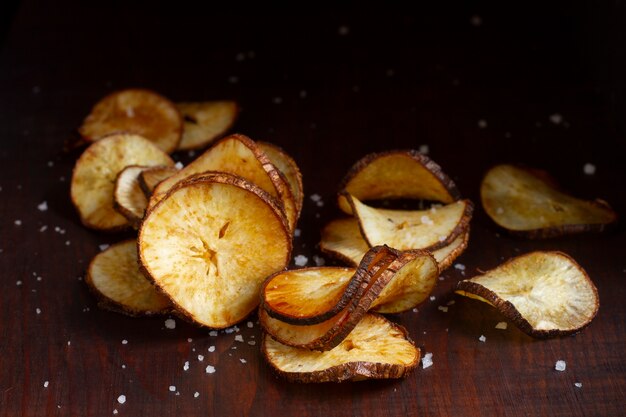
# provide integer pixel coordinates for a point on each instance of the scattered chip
(150, 178)
(210, 243)
(128, 198)
(545, 294)
(95, 172)
(135, 111)
(527, 202)
(205, 121)
(397, 174)
(115, 278)
(375, 349)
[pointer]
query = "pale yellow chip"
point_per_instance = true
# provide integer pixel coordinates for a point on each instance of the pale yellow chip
(526, 202)
(205, 121)
(128, 197)
(544, 293)
(95, 172)
(288, 167)
(115, 278)
(375, 349)
(150, 178)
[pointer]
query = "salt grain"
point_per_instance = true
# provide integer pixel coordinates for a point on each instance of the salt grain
(186, 366)
(297, 232)
(18, 222)
(433, 298)
(427, 360)
(67, 243)
(443, 308)
(38, 310)
(18, 283)
(502, 325)
(121, 399)
(45, 384)
(578, 384)
(43, 206)
(179, 165)
(277, 100)
(239, 338)
(210, 369)
(251, 342)
(211, 349)
(319, 261)
(196, 394)
(556, 118)
(243, 360)
(482, 123)
(424, 149)
(250, 325)
(213, 333)
(172, 388)
(560, 365)
(115, 411)
(451, 302)
(43, 228)
(124, 342)
(170, 324)
(460, 267)
(482, 338)
(189, 340)
(415, 310)
(589, 169)
(200, 358)
(301, 260)
(103, 247)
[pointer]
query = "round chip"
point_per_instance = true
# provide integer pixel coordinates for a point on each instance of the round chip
(128, 197)
(210, 243)
(95, 172)
(137, 111)
(205, 121)
(288, 167)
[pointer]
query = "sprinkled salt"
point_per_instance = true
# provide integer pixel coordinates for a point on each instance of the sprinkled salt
(178, 165)
(251, 342)
(210, 369)
(502, 325)
(560, 365)
(297, 232)
(343, 30)
(301, 260)
(196, 394)
(319, 261)
(104, 246)
(243, 360)
(239, 338)
(189, 340)
(426, 220)
(18, 222)
(200, 358)
(43, 228)
(43, 206)
(451, 302)
(250, 325)
(578, 384)
(415, 310)
(38, 310)
(427, 360)
(443, 308)
(45, 384)
(115, 411)
(172, 388)
(277, 100)
(121, 399)
(211, 349)
(18, 283)
(482, 338)
(588, 169)
(67, 243)
(556, 118)
(170, 324)
(186, 366)
(213, 333)
(460, 267)
(482, 123)
(424, 149)
(433, 298)
(124, 342)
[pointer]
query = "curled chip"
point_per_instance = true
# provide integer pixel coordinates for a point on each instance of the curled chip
(397, 174)
(210, 243)
(545, 294)
(95, 173)
(288, 167)
(205, 121)
(375, 349)
(150, 178)
(136, 111)
(128, 197)
(115, 278)
(527, 202)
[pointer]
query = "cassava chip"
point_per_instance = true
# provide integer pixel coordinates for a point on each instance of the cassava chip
(545, 294)
(526, 202)
(95, 172)
(237, 155)
(397, 174)
(114, 276)
(150, 178)
(375, 349)
(210, 243)
(135, 111)
(288, 167)
(128, 198)
(418, 229)
(205, 121)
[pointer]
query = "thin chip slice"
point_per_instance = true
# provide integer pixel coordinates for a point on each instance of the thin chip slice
(375, 349)
(545, 294)
(288, 167)
(115, 278)
(205, 121)
(398, 174)
(237, 155)
(419, 229)
(526, 202)
(128, 198)
(150, 178)
(342, 239)
(95, 172)
(135, 111)
(210, 243)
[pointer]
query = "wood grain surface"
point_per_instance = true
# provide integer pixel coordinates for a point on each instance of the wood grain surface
(329, 87)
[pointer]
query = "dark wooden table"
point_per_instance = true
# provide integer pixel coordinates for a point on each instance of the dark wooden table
(329, 88)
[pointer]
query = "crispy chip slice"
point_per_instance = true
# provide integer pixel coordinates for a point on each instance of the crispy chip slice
(342, 239)
(397, 174)
(210, 243)
(545, 294)
(375, 349)
(151, 177)
(205, 121)
(419, 229)
(95, 172)
(115, 278)
(288, 167)
(135, 111)
(128, 197)
(526, 202)
(237, 155)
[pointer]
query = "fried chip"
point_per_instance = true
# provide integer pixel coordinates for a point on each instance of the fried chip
(128, 197)
(205, 121)
(545, 294)
(150, 178)
(288, 167)
(526, 202)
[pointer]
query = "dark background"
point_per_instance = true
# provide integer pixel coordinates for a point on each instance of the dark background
(397, 79)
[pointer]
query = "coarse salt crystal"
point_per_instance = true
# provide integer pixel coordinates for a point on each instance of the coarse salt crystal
(172, 388)
(251, 342)
(443, 308)
(210, 369)
(213, 333)
(196, 394)
(121, 399)
(124, 342)
(189, 339)
(46, 383)
(43, 228)
(186, 366)
(38, 310)
(460, 267)
(170, 324)
(43, 206)
(178, 165)
(502, 325)
(427, 360)
(319, 261)
(18, 222)
(482, 123)
(482, 338)
(103, 247)
(211, 349)
(239, 338)
(424, 149)
(589, 169)
(301, 260)
(560, 365)
(297, 232)
(243, 360)
(250, 324)
(18, 283)
(200, 358)
(556, 118)
(316, 197)
(578, 384)
(115, 411)
(433, 298)
(67, 243)
(415, 310)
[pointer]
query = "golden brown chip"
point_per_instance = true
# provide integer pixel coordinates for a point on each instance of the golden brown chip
(545, 294)
(375, 349)
(397, 174)
(288, 167)
(135, 111)
(210, 243)
(95, 172)
(128, 197)
(526, 202)
(150, 178)
(205, 121)
(114, 276)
